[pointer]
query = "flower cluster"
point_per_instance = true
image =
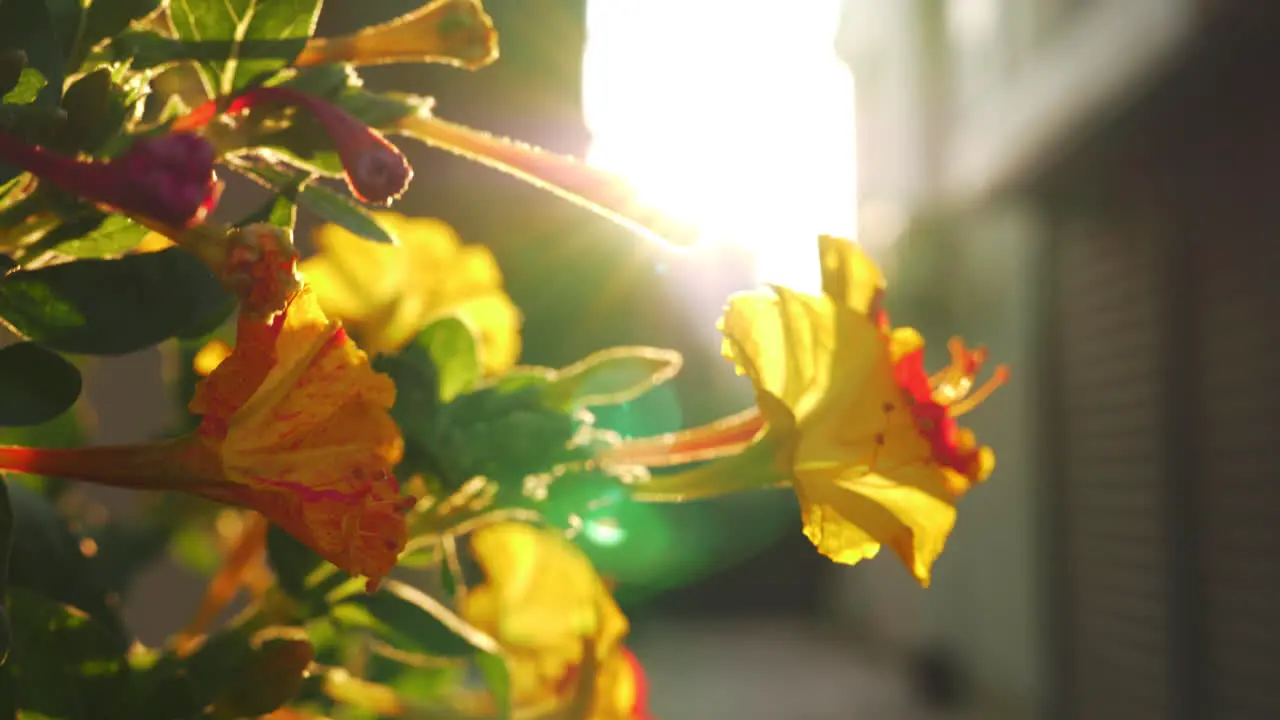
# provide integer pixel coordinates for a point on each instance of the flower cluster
(362, 414)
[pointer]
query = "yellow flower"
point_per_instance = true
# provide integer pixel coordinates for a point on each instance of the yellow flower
(621, 690)
(453, 32)
(386, 294)
(876, 456)
(543, 601)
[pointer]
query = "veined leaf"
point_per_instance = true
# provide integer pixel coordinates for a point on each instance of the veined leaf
(240, 40)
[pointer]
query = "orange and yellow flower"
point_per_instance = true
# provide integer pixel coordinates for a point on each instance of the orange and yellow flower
(386, 294)
(544, 603)
(300, 425)
(845, 414)
(295, 424)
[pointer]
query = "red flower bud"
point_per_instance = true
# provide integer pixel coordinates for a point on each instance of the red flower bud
(166, 182)
(376, 171)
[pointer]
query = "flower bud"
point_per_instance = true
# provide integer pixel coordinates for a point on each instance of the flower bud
(376, 171)
(165, 182)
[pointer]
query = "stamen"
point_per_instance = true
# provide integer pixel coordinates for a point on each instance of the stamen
(1000, 377)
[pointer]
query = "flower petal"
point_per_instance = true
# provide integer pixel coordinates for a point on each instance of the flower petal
(782, 340)
(848, 519)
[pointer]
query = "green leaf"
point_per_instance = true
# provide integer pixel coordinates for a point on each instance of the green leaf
(301, 573)
(30, 82)
(98, 105)
(183, 687)
(64, 664)
(113, 236)
(454, 353)
(282, 210)
(36, 385)
(110, 307)
(47, 558)
(497, 677)
(325, 203)
(105, 19)
(247, 37)
(614, 376)
(412, 621)
(28, 26)
(270, 678)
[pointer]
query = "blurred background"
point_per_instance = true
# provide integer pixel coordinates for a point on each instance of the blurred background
(1086, 186)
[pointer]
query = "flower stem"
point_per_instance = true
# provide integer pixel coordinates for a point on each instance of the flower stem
(601, 192)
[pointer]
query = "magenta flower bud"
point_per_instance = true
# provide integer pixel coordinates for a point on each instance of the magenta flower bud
(376, 171)
(165, 182)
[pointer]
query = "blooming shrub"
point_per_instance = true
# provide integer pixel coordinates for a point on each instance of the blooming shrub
(393, 491)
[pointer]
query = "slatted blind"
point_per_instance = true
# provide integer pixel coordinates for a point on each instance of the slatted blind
(1111, 374)
(1237, 326)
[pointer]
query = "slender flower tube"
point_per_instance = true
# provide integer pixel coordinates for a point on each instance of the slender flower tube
(166, 182)
(846, 415)
(571, 179)
(294, 424)
(453, 32)
(376, 171)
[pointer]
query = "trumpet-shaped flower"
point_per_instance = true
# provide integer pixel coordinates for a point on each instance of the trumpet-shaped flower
(543, 601)
(294, 424)
(454, 32)
(846, 414)
(386, 294)
(301, 427)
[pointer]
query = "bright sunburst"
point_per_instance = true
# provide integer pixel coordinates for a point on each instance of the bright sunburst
(736, 116)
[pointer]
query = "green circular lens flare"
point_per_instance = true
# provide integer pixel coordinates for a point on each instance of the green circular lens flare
(605, 532)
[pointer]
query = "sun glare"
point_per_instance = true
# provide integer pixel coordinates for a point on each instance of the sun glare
(735, 116)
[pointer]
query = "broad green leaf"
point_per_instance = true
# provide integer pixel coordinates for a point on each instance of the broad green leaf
(412, 621)
(245, 38)
(323, 202)
(301, 573)
(110, 307)
(614, 376)
(98, 106)
(170, 687)
(47, 558)
(415, 407)
(272, 676)
(64, 664)
(30, 83)
(28, 26)
(36, 384)
(455, 354)
(105, 19)
(113, 236)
